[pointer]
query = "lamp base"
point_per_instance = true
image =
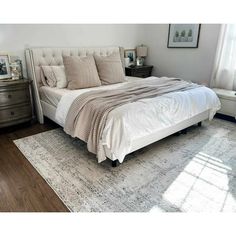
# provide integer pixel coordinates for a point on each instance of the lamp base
(140, 61)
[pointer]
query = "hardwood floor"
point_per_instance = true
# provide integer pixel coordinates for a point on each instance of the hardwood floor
(22, 189)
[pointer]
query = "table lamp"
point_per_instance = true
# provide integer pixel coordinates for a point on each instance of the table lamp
(141, 54)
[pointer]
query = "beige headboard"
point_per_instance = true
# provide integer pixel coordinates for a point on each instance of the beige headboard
(37, 57)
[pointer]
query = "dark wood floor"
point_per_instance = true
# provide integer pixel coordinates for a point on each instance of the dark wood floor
(21, 187)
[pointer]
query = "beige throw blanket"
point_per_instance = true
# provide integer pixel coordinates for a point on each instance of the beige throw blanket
(88, 113)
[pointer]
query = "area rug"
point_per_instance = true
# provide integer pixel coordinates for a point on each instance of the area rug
(195, 172)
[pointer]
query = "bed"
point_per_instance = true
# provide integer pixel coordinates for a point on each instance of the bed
(131, 126)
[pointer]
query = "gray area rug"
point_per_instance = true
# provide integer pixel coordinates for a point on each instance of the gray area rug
(195, 172)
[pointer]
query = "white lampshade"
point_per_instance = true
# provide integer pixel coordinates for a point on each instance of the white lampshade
(142, 51)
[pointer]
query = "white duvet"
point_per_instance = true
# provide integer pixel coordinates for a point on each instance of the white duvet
(139, 119)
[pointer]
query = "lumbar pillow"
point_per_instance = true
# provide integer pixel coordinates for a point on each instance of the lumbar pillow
(54, 76)
(81, 72)
(110, 68)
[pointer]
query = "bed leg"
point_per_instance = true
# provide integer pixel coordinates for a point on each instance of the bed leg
(184, 131)
(199, 124)
(114, 163)
(177, 133)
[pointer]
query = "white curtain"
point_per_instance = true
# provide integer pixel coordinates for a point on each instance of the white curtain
(224, 72)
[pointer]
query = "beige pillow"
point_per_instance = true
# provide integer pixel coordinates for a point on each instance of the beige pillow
(81, 72)
(110, 68)
(54, 76)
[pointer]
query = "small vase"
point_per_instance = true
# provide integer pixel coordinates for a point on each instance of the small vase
(14, 71)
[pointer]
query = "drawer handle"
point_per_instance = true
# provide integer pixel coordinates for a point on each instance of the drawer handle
(9, 96)
(12, 113)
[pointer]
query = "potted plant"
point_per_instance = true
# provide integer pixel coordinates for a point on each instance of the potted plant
(183, 33)
(190, 35)
(176, 37)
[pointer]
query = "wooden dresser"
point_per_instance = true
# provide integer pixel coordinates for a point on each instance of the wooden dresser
(15, 102)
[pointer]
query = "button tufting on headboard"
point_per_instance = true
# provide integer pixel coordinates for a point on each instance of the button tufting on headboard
(54, 56)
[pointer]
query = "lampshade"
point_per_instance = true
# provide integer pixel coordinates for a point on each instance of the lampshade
(142, 51)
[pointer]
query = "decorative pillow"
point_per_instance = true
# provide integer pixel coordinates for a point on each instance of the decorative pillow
(54, 76)
(47, 77)
(110, 68)
(81, 72)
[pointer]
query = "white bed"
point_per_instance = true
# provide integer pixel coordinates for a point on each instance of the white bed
(131, 126)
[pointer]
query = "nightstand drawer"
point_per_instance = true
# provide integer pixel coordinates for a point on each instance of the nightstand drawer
(15, 102)
(139, 71)
(142, 74)
(14, 97)
(14, 113)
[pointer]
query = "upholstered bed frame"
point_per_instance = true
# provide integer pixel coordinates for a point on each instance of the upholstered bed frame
(36, 57)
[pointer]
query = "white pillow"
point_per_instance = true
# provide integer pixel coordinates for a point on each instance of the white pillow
(55, 76)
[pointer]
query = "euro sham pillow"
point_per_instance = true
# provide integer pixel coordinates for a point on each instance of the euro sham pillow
(110, 69)
(81, 72)
(54, 76)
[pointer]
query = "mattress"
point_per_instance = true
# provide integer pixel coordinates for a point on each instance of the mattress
(53, 96)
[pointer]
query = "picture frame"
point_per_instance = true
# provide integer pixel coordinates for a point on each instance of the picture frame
(131, 54)
(5, 71)
(183, 35)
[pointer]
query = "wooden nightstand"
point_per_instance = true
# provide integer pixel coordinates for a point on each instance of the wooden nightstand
(139, 71)
(15, 102)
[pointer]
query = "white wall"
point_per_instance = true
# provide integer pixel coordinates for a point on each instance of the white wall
(15, 38)
(190, 64)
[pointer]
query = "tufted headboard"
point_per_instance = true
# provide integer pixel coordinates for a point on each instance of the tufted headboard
(37, 57)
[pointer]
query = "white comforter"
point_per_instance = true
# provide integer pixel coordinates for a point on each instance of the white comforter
(134, 120)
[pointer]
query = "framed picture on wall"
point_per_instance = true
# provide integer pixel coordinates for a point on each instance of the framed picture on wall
(131, 54)
(5, 71)
(183, 35)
